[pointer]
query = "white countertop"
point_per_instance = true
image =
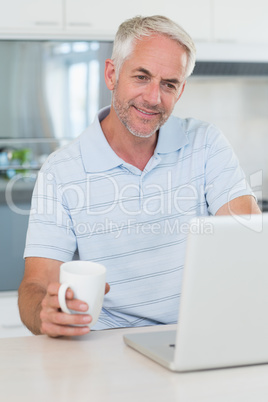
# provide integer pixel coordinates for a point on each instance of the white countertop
(100, 367)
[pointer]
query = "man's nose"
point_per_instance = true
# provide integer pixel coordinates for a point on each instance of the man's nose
(152, 94)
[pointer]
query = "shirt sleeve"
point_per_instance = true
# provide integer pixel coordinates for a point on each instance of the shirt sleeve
(50, 230)
(225, 179)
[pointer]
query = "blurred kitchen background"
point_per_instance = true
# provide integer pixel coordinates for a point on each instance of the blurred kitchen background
(50, 91)
(52, 56)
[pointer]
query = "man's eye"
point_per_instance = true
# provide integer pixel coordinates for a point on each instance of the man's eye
(170, 86)
(141, 77)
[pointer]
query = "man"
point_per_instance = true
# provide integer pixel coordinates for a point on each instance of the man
(123, 193)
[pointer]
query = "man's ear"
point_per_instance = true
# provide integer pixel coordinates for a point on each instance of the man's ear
(109, 74)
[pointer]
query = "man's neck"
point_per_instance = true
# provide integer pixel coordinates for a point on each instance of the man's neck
(134, 150)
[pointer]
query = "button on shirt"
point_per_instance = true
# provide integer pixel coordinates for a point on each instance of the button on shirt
(88, 200)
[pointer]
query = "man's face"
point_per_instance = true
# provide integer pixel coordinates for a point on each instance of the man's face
(150, 82)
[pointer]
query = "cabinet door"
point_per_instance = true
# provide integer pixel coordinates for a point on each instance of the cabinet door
(103, 17)
(243, 21)
(21, 15)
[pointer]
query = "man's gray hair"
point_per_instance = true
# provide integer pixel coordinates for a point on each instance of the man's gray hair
(135, 28)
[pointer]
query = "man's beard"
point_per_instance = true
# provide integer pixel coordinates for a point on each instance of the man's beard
(123, 113)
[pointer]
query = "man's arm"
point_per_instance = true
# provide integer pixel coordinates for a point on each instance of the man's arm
(39, 305)
(244, 205)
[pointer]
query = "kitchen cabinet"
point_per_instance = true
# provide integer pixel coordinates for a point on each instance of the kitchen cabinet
(104, 17)
(10, 322)
(14, 217)
(237, 21)
(31, 15)
(241, 21)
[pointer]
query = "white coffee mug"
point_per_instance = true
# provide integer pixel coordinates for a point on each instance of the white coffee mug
(87, 280)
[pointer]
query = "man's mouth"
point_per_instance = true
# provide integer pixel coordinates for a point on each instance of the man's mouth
(145, 112)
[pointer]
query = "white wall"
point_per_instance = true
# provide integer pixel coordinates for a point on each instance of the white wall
(239, 107)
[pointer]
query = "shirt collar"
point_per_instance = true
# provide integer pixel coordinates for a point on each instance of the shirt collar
(172, 136)
(98, 156)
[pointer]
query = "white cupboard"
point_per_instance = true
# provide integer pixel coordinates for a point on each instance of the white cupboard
(237, 21)
(104, 17)
(241, 21)
(31, 15)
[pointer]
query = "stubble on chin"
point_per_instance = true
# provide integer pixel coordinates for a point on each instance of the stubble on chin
(123, 113)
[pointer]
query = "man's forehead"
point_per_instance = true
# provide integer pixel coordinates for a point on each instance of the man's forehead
(154, 40)
(152, 52)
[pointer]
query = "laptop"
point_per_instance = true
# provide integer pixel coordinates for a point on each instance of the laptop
(223, 312)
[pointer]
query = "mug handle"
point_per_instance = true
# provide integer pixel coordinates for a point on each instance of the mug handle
(62, 297)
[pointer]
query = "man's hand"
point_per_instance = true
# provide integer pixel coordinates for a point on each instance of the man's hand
(55, 323)
(39, 305)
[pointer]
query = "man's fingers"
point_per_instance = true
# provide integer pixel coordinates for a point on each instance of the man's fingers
(54, 331)
(55, 323)
(53, 290)
(107, 288)
(60, 318)
(52, 302)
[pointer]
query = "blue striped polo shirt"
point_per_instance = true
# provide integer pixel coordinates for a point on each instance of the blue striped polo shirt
(87, 200)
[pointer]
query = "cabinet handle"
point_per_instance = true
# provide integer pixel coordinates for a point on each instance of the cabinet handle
(48, 23)
(79, 24)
